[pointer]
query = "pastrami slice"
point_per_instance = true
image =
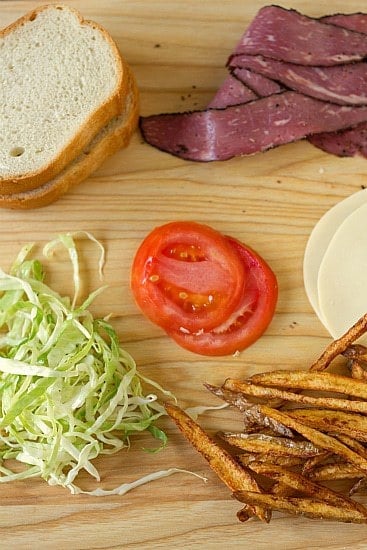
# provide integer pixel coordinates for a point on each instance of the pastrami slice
(345, 143)
(342, 84)
(220, 134)
(260, 84)
(352, 21)
(352, 141)
(231, 92)
(289, 36)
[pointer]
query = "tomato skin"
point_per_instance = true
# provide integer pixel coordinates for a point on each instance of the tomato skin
(187, 276)
(260, 293)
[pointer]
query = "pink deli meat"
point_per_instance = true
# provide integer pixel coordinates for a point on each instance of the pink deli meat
(231, 92)
(261, 85)
(219, 134)
(352, 141)
(342, 84)
(346, 143)
(289, 36)
(238, 124)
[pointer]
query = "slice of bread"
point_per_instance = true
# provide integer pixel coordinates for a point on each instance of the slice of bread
(114, 136)
(62, 79)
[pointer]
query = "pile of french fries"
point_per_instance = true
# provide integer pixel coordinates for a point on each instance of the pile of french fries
(302, 430)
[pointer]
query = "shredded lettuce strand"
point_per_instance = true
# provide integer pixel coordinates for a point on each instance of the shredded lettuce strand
(68, 391)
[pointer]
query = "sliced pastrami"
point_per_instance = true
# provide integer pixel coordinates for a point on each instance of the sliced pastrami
(352, 21)
(219, 134)
(346, 143)
(352, 141)
(261, 85)
(242, 86)
(342, 84)
(231, 92)
(289, 36)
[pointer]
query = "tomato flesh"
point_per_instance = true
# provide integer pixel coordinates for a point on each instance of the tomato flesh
(187, 276)
(250, 318)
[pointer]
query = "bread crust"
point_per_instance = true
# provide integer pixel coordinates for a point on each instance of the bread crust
(86, 132)
(87, 162)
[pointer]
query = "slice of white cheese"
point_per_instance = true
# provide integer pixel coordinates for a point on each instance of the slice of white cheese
(342, 277)
(319, 241)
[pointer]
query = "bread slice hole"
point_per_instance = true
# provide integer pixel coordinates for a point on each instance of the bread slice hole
(17, 151)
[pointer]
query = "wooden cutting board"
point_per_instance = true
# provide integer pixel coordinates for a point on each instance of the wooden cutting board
(178, 50)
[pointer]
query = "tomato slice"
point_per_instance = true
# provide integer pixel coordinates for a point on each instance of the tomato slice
(249, 319)
(187, 276)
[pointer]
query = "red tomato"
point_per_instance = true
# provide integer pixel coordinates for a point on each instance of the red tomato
(249, 319)
(187, 276)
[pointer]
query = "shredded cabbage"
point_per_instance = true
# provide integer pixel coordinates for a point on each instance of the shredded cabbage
(68, 391)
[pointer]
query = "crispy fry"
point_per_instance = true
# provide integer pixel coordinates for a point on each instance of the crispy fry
(341, 422)
(314, 461)
(352, 444)
(279, 489)
(320, 381)
(307, 507)
(330, 472)
(307, 487)
(265, 392)
(260, 443)
(321, 440)
(236, 399)
(222, 463)
(271, 458)
(242, 514)
(254, 416)
(356, 370)
(338, 346)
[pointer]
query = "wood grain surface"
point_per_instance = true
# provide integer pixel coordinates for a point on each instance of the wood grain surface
(177, 50)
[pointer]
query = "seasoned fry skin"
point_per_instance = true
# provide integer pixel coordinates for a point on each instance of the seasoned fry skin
(222, 463)
(308, 507)
(257, 443)
(337, 347)
(320, 381)
(264, 392)
(330, 472)
(324, 441)
(352, 424)
(303, 485)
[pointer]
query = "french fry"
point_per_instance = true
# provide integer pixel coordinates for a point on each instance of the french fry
(319, 439)
(336, 471)
(356, 370)
(270, 393)
(307, 507)
(341, 422)
(254, 416)
(311, 463)
(236, 399)
(320, 381)
(222, 463)
(270, 458)
(338, 346)
(352, 444)
(261, 443)
(281, 490)
(307, 487)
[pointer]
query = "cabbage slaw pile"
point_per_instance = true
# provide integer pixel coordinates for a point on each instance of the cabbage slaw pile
(68, 391)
